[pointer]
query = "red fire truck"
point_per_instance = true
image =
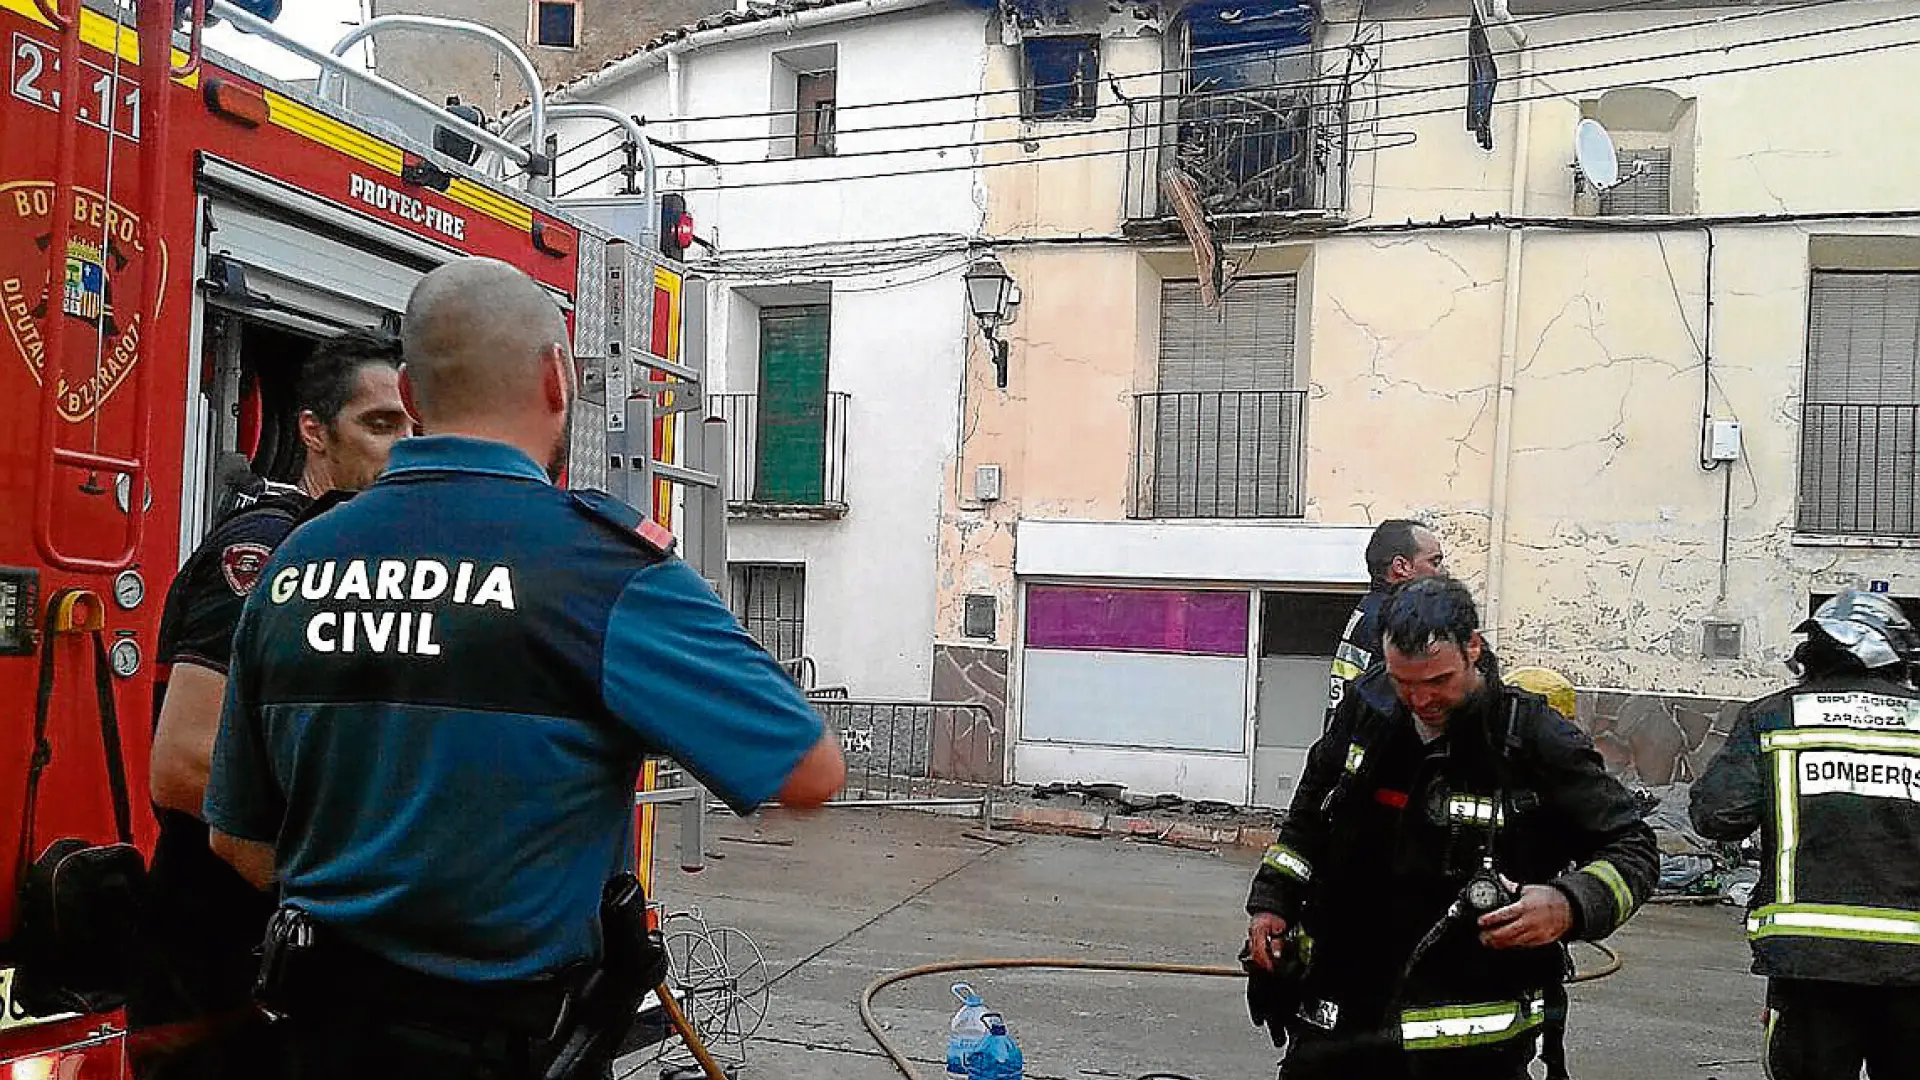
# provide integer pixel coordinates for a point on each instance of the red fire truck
(175, 231)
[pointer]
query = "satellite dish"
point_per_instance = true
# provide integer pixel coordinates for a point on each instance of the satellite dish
(1594, 156)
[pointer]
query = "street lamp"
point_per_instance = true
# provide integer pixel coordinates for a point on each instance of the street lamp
(990, 295)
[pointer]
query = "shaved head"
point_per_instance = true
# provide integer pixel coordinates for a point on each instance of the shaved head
(477, 336)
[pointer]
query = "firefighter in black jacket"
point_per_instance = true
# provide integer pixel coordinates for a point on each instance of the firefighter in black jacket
(1831, 768)
(1393, 881)
(1399, 550)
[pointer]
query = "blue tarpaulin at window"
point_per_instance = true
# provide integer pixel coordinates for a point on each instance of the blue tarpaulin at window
(1266, 24)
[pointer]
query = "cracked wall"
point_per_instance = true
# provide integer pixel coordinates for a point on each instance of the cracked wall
(1613, 531)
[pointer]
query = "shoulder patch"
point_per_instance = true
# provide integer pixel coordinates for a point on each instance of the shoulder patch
(241, 565)
(651, 535)
(657, 535)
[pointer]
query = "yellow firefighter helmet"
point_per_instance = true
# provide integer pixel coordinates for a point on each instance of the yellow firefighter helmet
(1548, 684)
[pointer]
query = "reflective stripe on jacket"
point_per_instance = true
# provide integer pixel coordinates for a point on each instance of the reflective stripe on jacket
(1830, 772)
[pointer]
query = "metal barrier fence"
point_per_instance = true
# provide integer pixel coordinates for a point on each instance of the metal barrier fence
(806, 674)
(924, 753)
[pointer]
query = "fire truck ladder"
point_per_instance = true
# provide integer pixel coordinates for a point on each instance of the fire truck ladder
(333, 67)
(630, 413)
(154, 20)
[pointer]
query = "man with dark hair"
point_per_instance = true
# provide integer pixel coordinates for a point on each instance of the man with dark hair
(190, 1009)
(441, 701)
(1399, 550)
(1449, 834)
(1831, 768)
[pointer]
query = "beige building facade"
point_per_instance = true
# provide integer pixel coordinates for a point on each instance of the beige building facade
(1415, 324)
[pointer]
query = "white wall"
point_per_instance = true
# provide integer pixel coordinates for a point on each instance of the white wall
(898, 335)
(870, 576)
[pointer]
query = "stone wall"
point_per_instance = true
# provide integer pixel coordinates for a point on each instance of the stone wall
(1656, 739)
(964, 673)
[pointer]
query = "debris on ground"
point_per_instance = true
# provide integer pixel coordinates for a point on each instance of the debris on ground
(1693, 868)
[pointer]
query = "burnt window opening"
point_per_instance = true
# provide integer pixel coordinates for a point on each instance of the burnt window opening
(1250, 110)
(556, 24)
(1062, 77)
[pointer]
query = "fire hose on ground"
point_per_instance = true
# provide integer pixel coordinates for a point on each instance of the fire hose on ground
(1609, 966)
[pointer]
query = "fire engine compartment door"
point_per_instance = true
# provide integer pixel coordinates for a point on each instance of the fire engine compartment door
(295, 276)
(309, 264)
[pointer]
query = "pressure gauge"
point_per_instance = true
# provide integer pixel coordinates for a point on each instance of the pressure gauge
(129, 589)
(125, 657)
(1484, 893)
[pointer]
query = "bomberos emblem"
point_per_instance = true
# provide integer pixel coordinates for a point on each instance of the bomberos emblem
(87, 288)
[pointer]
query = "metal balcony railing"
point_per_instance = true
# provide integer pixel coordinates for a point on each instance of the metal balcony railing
(1858, 469)
(1218, 453)
(792, 457)
(1245, 152)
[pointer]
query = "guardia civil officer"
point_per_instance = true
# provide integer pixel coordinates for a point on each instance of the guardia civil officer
(1399, 550)
(1830, 770)
(190, 1010)
(1449, 833)
(440, 700)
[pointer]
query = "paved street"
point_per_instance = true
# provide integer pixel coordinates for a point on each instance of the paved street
(861, 893)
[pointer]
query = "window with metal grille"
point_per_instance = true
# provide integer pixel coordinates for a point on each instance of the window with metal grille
(556, 24)
(770, 600)
(1062, 77)
(1647, 187)
(1860, 413)
(1221, 435)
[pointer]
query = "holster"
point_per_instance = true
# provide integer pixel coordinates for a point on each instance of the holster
(288, 962)
(633, 962)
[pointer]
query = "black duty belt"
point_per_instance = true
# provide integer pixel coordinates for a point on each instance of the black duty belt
(333, 971)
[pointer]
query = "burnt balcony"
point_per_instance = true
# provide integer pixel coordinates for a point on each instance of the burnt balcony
(1218, 454)
(787, 458)
(1246, 154)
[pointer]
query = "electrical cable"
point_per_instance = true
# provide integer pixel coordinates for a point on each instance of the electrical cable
(905, 1065)
(1420, 91)
(1300, 84)
(975, 95)
(1112, 151)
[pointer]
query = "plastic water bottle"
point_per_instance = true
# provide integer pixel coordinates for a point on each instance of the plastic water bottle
(967, 1033)
(998, 1056)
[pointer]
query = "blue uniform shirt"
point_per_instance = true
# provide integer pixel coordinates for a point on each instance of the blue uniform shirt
(440, 697)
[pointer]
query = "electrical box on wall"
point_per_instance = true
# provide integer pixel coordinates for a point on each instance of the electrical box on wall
(1721, 640)
(1723, 440)
(981, 616)
(986, 483)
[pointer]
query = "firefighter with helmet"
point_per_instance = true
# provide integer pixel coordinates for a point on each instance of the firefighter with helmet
(1830, 769)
